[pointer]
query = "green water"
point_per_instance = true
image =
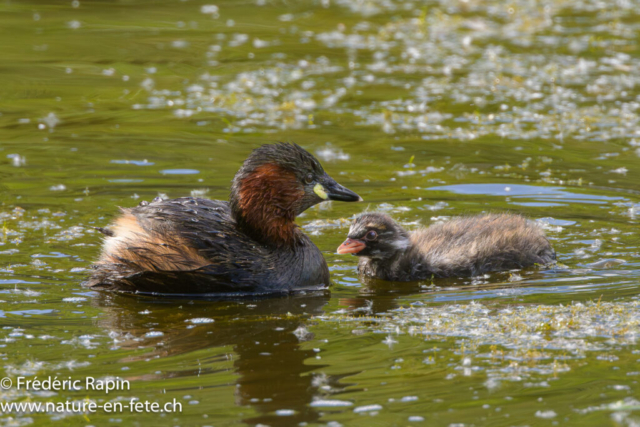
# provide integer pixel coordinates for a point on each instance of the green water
(427, 110)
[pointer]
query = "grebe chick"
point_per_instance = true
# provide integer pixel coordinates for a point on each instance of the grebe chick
(249, 245)
(465, 246)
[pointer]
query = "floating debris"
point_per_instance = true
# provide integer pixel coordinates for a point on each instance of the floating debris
(303, 334)
(367, 408)
(546, 414)
(320, 403)
(17, 160)
(513, 334)
(200, 320)
(210, 9)
(51, 120)
(74, 299)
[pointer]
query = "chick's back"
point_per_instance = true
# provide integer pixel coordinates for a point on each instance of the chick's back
(477, 244)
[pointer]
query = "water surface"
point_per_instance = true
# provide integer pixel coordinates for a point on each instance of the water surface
(426, 109)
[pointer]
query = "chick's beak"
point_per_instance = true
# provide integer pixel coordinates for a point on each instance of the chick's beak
(351, 246)
(334, 191)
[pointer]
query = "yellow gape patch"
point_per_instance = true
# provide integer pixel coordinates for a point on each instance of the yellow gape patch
(319, 190)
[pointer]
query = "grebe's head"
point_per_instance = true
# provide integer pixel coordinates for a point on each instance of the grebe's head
(375, 235)
(276, 183)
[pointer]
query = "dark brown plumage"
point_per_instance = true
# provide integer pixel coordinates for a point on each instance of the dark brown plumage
(465, 246)
(250, 245)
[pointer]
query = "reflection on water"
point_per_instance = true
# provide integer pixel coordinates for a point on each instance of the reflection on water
(427, 110)
(523, 192)
(263, 337)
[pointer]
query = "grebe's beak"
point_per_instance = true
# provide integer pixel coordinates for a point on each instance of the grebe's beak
(331, 190)
(351, 246)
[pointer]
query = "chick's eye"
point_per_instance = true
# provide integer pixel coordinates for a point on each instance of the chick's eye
(371, 235)
(309, 178)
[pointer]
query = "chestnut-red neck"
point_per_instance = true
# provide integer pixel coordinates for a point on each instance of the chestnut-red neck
(266, 203)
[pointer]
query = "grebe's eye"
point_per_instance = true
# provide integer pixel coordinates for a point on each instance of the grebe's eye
(371, 235)
(309, 178)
